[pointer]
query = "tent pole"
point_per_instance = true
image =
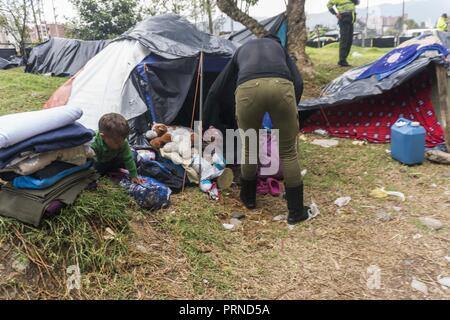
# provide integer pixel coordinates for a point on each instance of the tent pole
(193, 109)
(200, 117)
(444, 101)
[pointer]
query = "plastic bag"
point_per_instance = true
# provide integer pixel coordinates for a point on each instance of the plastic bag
(151, 195)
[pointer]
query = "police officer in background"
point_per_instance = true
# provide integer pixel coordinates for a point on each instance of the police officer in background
(346, 13)
(442, 24)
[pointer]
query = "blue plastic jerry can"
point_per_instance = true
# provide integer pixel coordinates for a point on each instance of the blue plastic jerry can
(408, 142)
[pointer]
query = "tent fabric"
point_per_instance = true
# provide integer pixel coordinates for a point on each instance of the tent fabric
(371, 118)
(171, 36)
(63, 57)
(276, 25)
(168, 86)
(347, 88)
(399, 58)
(7, 64)
(103, 86)
(7, 53)
(146, 74)
(168, 82)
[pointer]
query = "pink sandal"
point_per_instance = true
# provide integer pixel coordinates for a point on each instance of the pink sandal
(274, 187)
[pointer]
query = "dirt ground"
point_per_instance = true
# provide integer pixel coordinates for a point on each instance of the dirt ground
(339, 254)
(369, 249)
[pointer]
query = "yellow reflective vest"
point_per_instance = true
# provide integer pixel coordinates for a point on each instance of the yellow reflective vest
(442, 24)
(342, 5)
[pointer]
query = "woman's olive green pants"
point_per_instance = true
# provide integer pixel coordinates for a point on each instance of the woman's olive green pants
(277, 97)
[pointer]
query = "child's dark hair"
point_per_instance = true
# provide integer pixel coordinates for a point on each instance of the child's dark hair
(114, 125)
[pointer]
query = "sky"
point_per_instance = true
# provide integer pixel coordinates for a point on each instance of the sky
(265, 8)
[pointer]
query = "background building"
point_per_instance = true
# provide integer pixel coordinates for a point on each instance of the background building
(47, 31)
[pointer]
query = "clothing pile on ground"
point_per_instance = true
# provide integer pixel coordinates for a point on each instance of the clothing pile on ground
(45, 163)
(177, 160)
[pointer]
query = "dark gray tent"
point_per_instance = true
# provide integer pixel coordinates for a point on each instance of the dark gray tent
(62, 57)
(7, 64)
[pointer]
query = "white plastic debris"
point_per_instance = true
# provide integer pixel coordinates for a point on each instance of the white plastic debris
(314, 211)
(321, 132)
(397, 194)
(438, 156)
(235, 222)
(110, 234)
(228, 226)
(281, 217)
(343, 201)
(325, 143)
(303, 138)
(400, 124)
(304, 172)
(447, 258)
(356, 54)
(444, 281)
(380, 193)
(431, 223)
(359, 143)
(419, 286)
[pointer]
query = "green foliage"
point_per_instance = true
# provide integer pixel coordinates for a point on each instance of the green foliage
(106, 19)
(14, 17)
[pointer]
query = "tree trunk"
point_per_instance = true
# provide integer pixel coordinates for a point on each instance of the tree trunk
(208, 8)
(297, 35)
(230, 9)
(38, 29)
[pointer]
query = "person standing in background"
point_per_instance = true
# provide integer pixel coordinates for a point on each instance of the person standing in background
(346, 13)
(442, 24)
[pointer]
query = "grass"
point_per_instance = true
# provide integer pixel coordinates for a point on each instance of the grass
(184, 252)
(329, 55)
(21, 91)
(325, 60)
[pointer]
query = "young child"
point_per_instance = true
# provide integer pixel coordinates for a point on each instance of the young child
(111, 146)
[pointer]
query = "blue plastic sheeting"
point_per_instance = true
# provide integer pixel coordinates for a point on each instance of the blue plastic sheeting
(267, 121)
(282, 33)
(151, 59)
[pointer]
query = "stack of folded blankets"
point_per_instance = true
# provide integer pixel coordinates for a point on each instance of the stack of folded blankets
(45, 162)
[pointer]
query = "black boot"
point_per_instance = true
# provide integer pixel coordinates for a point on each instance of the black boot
(344, 63)
(297, 211)
(248, 193)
